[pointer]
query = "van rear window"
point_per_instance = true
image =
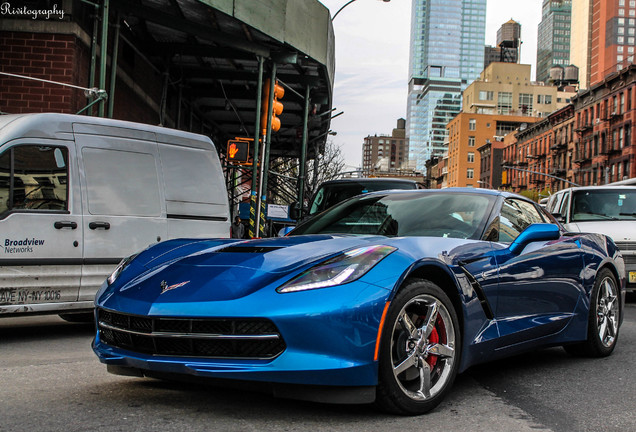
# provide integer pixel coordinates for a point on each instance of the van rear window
(34, 177)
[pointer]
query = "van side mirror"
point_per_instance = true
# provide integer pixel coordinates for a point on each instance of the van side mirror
(284, 231)
(559, 217)
(535, 232)
(294, 211)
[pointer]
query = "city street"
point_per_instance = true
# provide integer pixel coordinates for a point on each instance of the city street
(51, 381)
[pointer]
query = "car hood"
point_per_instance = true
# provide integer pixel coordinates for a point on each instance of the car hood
(619, 231)
(188, 271)
(224, 270)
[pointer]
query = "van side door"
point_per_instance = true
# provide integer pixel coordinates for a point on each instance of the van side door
(124, 211)
(40, 225)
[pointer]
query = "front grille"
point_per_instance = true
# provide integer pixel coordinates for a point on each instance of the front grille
(629, 259)
(246, 338)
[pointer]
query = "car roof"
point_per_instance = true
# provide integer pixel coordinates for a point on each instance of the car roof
(368, 180)
(474, 191)
(603, 187)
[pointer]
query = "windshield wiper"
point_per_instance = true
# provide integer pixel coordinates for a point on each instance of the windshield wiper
(595, 214)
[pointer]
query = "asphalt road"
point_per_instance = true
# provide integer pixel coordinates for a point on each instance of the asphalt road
(51, 381)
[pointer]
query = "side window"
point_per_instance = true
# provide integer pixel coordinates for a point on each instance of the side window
(516, 216)
(113, 191)
(555, 203)
(563, 210)
(34, 178)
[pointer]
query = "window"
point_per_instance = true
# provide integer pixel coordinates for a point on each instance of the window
(516, 216)
(107, 175)
(471, 157)
(504, 103)
(34, 177)
(486, 95)
(470, 173)
(471, 141)
(472, 124)
(525, 103)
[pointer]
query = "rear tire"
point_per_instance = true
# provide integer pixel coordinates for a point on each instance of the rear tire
(419, 351)
(603, 319)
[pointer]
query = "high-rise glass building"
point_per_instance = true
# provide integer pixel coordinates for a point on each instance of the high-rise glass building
(553, 39)
(447, 54)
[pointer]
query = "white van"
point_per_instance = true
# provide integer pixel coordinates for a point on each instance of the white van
(609, 210)
(78, 194)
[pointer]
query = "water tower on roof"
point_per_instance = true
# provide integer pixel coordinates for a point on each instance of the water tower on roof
(509, 42)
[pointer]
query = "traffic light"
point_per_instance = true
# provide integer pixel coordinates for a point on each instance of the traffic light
(238, 150)
(279, 92)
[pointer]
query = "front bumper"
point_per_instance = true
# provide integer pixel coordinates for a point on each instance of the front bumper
(329, 335)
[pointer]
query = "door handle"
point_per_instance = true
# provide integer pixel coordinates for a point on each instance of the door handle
(65, 224)
(98, 225)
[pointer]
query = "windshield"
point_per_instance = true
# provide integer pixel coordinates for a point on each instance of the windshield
(604, 204)
(332, 193)
(434, 214)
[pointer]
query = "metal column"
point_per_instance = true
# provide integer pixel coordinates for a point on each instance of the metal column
(303, 156)
(103, 53)
(113, 68)
(91, 73)
(254, 207)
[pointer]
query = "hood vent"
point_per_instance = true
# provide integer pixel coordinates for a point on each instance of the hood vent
(249, 249)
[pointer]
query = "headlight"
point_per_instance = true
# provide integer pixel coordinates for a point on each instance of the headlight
(120, 268)
(344, 268)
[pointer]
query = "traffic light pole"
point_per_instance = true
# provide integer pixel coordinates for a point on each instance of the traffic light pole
(303, 156)
(254, 207)
(260, 227)
(540, 173)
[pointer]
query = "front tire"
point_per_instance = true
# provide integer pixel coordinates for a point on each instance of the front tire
(603, 318)
(419, 351)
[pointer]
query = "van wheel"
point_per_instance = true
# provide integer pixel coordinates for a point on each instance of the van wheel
(84, 317)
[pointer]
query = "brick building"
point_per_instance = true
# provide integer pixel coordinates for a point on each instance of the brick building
(604, 143)
(60, 51)
(589, 142)
(386, 154)
(490, 161)
(468, 132)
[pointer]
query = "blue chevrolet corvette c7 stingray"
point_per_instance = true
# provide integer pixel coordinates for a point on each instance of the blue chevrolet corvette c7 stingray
(384, 297)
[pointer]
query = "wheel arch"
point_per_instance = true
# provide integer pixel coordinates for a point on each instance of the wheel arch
(441, 276)
(621, 285)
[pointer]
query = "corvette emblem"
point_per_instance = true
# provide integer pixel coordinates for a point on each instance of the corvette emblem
(165, 287)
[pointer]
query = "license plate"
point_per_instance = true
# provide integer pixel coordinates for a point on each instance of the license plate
(632, 277)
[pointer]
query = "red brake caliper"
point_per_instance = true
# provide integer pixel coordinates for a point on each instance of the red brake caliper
(433, 339)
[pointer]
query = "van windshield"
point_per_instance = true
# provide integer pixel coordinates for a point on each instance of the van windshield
(330, 194)
(604, 204)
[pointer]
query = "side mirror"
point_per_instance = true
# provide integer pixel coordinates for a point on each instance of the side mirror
(535, 232)
(559, 217)
(294, 211)
(284, 231)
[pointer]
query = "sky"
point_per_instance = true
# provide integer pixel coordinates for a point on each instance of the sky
(372, 60)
